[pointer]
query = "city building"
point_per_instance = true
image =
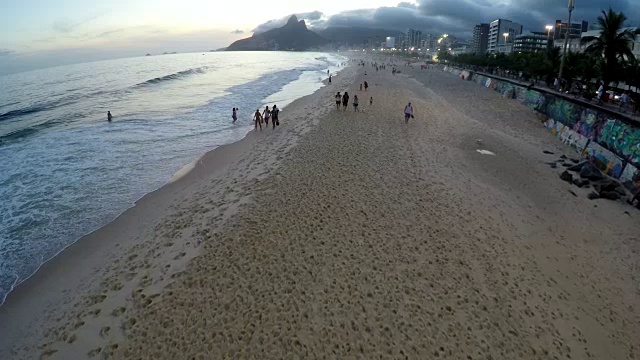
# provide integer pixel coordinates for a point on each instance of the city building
(533, 42)
(498, 41)
(480, 39)
(575, 30)
(390, 43)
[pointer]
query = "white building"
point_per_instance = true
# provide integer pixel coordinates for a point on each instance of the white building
(498, 42)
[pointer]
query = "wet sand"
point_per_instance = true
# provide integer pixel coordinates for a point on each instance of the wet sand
(355, 235)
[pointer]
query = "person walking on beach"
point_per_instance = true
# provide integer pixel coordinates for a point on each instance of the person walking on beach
(408, 113)
(345, 100)
(257, 118)
(355, 103)
(329, 79)
(366, 86)
(338, 99)
(266, 114)
(274, 116)
(234, 115)
(109, 117)
(371, 101)
(360, 87)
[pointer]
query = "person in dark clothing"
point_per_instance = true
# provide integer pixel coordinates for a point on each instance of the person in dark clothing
(366, 86)
(109, 117)
(345, 100)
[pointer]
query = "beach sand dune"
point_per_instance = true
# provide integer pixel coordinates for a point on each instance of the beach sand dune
(365, 237)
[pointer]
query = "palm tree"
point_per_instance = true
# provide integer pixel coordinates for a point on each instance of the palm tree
(613, 44)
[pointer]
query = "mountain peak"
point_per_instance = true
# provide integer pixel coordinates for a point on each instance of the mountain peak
(292, 20)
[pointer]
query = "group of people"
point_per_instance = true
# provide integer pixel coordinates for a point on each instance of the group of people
(344, 100)
(266, 115)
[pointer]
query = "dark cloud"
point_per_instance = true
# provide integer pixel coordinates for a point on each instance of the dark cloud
(6, 52)
(237, 32)
(313, 19)
(459, 16)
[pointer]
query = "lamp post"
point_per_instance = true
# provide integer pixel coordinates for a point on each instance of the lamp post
(566, 39)
(506, 35)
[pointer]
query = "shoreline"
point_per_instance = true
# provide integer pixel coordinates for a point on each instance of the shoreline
(55, 281)
(182, 172)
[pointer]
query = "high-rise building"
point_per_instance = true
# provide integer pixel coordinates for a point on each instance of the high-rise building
(534, 42)
(480, 38)
(498, 42)
(575, 29)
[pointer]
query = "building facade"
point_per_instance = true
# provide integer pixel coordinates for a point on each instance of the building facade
(480, 40)
(497, 41)
(575, 29)
(533, 42)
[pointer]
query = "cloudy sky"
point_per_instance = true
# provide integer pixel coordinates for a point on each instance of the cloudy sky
(43, 33)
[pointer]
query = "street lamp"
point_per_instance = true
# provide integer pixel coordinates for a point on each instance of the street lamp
(506, 35)
(549, 28)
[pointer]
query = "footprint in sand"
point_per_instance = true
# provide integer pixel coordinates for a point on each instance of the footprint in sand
(94, 352)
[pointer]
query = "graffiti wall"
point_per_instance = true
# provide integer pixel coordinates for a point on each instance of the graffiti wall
(610, 143)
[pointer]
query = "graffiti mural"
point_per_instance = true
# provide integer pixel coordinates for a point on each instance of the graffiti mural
(622, 139)
(563, 111)
(605, 140)
(604, 159)
(630, 178)
(590, 123)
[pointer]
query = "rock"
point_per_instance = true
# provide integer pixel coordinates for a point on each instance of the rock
(553, 165)
(575, 161)
(548, 152)
(566, 165)
(611, 195)
(565, 176)
(607, 185)
(589, 171)
(572, 193)
(563, 157)
(593, 196)
(580, 182)
(578, 166)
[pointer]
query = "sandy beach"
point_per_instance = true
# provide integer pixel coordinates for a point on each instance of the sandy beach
(353, 235)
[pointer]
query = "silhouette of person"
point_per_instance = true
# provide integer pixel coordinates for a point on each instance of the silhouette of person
(109, 116)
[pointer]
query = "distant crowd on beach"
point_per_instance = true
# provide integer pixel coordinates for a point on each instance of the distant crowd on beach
(342, 100)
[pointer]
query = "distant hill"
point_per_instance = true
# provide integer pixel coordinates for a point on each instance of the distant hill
(349, 35)
(292, 36)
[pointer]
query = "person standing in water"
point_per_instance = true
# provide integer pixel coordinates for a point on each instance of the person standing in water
(109, 117)
(234, 115)
(257, 118)
(345, 100)
(355, 103)
(266, 114)
(338, 99)
(408, 113)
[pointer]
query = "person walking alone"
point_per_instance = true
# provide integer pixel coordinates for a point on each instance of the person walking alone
(408, 113)
(355, 103)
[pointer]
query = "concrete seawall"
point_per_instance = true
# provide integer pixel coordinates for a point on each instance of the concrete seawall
(609, 140)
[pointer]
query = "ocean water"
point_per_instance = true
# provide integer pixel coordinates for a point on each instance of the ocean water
(65, 171)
